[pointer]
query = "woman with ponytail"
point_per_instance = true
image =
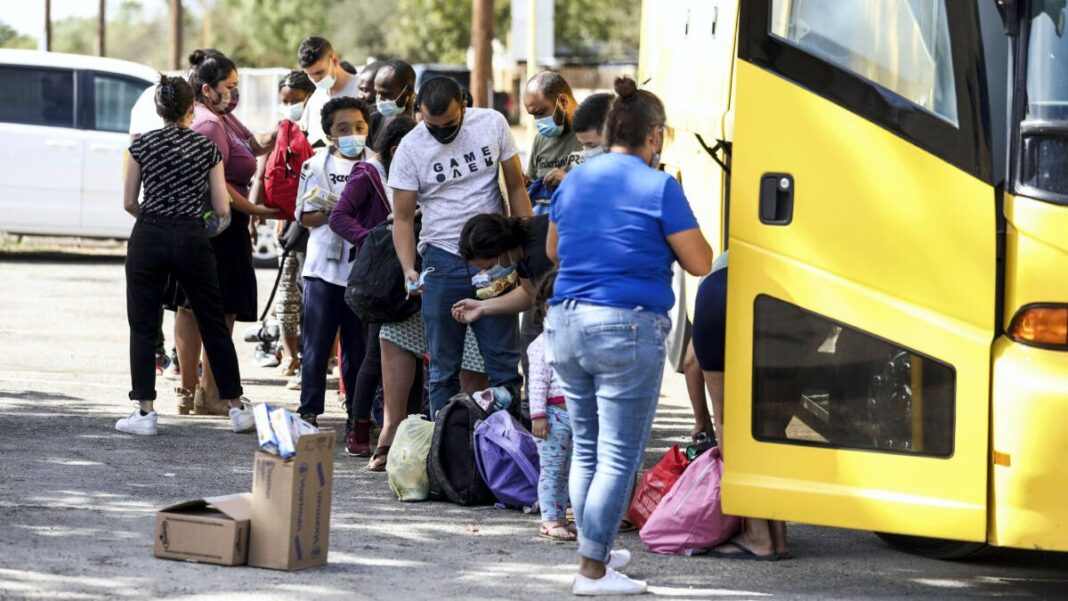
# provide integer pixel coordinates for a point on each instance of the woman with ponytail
(176, 167)
(617, 226)
(213, 78)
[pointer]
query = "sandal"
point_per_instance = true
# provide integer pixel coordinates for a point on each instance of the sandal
(627, 526)
(184, 399)
(557, 531)
(742, 552)
(572, 527)
(374, 465)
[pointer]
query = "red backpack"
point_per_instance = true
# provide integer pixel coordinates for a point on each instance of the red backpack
(282, 175)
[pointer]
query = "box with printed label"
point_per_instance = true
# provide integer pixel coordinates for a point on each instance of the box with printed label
(291, 501)
(209, 530)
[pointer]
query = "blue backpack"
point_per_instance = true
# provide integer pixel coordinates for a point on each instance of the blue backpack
(507, 459)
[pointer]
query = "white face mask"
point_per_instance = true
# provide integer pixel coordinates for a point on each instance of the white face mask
(326, 83)
(292, 112)
(589, 153)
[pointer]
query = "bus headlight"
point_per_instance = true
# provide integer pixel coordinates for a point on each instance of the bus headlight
(1041, 325)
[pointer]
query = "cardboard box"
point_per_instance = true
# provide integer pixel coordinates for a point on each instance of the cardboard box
(209, 530)
(291, 501)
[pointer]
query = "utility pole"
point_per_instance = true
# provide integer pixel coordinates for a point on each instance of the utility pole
(482, 41)
(101, 29)
(176, 34)
(48, 26)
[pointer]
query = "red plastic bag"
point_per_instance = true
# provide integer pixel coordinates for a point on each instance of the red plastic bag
(655, 484)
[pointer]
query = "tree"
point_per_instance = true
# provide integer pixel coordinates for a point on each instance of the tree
(9, 38)
(597, 29)
(266, 33)
(428, 31)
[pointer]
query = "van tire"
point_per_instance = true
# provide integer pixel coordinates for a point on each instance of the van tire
(935, 548)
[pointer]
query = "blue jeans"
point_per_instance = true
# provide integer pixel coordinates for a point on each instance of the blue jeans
(610, 362)
(497, 335)
(325, 312)
(554, 456)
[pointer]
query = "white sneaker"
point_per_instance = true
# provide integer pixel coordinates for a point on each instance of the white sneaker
(618, 559)
(135, 423)
(612, 583)
(242, 420)
(294, 382)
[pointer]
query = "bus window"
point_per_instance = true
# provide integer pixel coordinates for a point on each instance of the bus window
(817, 382)
(902, 45)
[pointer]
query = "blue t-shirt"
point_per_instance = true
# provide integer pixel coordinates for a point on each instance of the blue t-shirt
(613, 215)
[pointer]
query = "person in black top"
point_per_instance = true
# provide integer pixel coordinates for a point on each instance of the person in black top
(176, 167)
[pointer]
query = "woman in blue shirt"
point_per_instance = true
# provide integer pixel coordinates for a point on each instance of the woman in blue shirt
(617, 226)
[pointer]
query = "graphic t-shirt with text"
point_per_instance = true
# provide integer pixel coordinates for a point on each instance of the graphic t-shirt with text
(454, 181)
(175, 163)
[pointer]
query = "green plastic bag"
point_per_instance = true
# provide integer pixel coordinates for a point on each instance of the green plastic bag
(406, 464)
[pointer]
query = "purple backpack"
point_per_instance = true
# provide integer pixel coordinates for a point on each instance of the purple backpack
(507, 458)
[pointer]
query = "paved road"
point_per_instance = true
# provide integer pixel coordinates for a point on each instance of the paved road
(77, 499)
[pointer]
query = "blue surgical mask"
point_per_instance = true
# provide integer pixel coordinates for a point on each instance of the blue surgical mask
(497, 272)
(589, 153)
(326, 83)
(547, 126)
(390, 108)
(351, 146)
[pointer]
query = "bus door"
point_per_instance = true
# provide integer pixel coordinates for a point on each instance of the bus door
(861, 284)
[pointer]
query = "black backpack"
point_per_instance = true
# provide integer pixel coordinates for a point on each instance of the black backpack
(376, 291)
(451, 465)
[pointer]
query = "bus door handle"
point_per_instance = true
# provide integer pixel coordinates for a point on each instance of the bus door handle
(776, 198)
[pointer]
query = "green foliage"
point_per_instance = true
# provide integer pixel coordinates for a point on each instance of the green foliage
(9, 38)
(597, 29)
(429, 31)
(265, 33)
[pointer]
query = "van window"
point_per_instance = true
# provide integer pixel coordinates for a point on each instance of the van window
(114, 97)
(902, 45)
(37, 96)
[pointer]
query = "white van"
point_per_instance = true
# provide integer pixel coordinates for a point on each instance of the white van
(64, 122)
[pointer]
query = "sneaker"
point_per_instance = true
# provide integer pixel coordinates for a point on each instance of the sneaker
(311, 418)
(294, 382)
(358, 443)
(618, 559)
(135, 423)
(265, 357)
(612, 583)
(252, 334)
(242, 420)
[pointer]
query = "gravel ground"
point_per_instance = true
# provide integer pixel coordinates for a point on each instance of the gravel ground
(77, 499)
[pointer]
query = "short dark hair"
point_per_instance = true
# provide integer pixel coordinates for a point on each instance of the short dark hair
(392, 134)
(590, 115)
(312, 50)
(344, 103)
(173, 98)
(371, 69)
(402, 71)
(490, 235)
(208, 66)
(633, 115)
(298, 80)
(551, 84)
(347, 66)
(438, 94)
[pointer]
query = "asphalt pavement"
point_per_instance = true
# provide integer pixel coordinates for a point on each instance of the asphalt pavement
(77, 498)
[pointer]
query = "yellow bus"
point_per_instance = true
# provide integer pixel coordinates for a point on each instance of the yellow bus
(891, 178)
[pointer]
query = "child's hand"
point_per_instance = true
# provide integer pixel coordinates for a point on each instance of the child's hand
(540, 427)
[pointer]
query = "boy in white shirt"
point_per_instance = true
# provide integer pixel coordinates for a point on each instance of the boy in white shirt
(329, 257)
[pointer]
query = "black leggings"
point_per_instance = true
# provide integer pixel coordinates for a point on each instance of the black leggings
(370, 377)
(161, 247)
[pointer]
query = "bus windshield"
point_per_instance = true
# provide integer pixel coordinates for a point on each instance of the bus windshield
(1047, 62)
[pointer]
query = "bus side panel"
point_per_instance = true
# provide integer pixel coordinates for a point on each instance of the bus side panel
(1030, 389)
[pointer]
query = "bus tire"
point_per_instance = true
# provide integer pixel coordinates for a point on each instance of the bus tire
(935, 548)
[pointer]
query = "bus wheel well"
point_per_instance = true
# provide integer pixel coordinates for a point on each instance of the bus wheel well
(935, 548)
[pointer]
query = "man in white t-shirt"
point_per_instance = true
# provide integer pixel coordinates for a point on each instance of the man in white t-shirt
(323, 66)
(448, 166)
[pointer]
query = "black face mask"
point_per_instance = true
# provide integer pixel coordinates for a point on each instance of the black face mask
(446, 134)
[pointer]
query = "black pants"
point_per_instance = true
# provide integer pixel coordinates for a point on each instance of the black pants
(178, 247)
(370, 378)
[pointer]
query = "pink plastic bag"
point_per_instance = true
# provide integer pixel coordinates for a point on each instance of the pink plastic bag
(690, 518)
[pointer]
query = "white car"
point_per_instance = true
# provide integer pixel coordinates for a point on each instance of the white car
(64, 120)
